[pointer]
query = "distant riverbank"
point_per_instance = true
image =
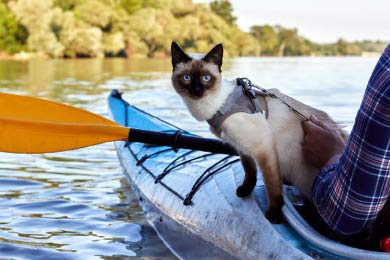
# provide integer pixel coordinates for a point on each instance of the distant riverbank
(22, 56)
(25, 56)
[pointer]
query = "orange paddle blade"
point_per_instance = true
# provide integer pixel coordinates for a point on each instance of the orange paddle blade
(36, 109)
(32, 125)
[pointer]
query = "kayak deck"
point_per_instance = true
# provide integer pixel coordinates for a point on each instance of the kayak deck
(189, 198)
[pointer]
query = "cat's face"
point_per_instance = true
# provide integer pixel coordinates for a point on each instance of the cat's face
(195, 78)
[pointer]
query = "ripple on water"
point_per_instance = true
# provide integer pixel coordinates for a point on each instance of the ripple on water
(18, 184)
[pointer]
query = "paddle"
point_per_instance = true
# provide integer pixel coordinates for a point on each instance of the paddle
(33, 125)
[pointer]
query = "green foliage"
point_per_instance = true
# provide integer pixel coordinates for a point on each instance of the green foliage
(341, 47)
(44, 42)
(131, 6)
(36, 16)
(84, 42)
(183, 8)
(280, 41)
(66, 5)
(267, 38)
(13, 36)
(157, 31)
(369, 46)
(93, 12)
(291, 44)
(161, 4)
(97, 28)
(224, 9)
(79, 38)
(113, 43)
(134, 46)
(245, 44)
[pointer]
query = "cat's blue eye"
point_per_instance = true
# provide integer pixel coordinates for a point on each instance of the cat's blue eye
(206, 77)
(187, 77)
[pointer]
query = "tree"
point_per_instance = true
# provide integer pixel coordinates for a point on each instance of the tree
(79, 38)
(120, 21)
(155, 28)
(189, 33)
(94, 13)
(268, 39)
(224, 9)
(13, 36)
(85, 42)
(341, 46)
(46, 43)
(214, 29)
(135, 46)
(246, 44)
(113, 43)
(36, 16)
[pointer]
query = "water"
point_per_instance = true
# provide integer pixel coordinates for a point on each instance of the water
(76, 204)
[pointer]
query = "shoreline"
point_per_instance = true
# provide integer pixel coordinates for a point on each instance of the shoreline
(26, 56)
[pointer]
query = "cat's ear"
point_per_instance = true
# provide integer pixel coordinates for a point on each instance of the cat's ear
(178, 55)
(215, 56)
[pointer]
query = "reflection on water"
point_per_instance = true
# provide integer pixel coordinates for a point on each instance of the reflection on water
(76, 204)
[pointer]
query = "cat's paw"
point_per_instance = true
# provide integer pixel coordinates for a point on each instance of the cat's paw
(243, 191)
(274, 215)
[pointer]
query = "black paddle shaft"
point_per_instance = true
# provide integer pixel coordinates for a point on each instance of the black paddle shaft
(179, 140)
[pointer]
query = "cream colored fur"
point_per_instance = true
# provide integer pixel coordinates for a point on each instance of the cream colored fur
(283, 129)
(287, 127)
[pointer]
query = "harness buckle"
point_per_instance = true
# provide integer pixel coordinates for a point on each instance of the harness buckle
(246, 85)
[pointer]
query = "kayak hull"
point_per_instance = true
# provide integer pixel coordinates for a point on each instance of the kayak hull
(181, 241)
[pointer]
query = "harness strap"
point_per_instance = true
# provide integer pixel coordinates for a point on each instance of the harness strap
(252, 92)
(264, 105)
(274, 93)
(242, 99)
(246, 91)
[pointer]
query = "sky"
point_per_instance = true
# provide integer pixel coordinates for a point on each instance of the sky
(319, 20)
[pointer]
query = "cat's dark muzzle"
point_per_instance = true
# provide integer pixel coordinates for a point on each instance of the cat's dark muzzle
(196, 92)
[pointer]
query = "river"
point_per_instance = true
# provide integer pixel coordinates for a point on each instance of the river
(76, 204)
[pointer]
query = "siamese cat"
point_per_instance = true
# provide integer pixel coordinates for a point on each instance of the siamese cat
(273, 143)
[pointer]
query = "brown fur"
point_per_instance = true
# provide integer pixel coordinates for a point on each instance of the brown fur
(250, 179)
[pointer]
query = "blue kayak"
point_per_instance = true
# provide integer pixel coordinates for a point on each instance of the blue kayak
(189, 198)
